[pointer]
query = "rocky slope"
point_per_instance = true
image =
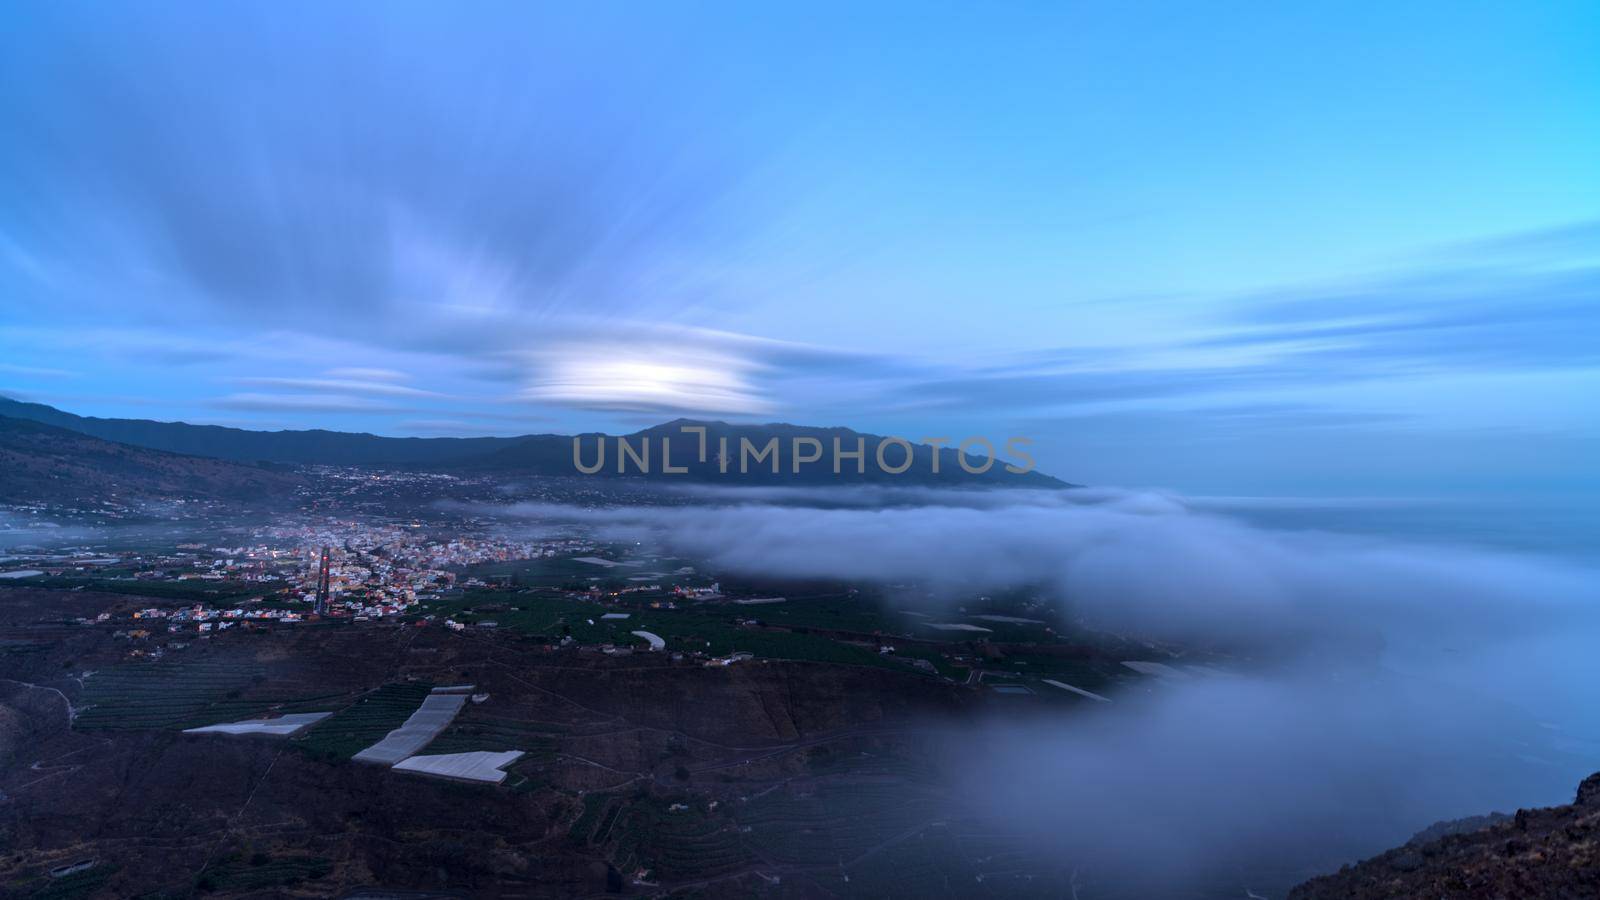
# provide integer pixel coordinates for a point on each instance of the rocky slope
(1546, 853)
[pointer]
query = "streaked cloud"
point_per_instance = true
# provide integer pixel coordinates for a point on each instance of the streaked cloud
(1534, 310)
(367, 374)
(36, 371)
(339, 385)
(304, 403)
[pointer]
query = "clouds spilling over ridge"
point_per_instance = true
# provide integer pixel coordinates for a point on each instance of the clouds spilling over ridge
(1377, 685)
(1123, 561)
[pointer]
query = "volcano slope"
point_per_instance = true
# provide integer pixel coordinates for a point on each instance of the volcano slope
(640, 773)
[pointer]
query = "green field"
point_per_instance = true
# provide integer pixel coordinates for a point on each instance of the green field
(709, 628)
(1090, 674)
(838, 612)
(190, 591)
(473, 731)
(260, 872)
(568, 572)
(364, 722)
(187, 694)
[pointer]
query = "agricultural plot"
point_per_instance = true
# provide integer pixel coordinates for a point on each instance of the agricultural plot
(1090, 674)
(837, 822)
(838, 612)
(261, 872)
(181, 695)
(674, 844)
(594, 805)
(21, 648)
(568, 571)
(719, 635)
(1009, 632)
(365, 722)
(797, 646)
(940, 662)
(879, 764)
(473, 731)
(186, 591)
(80, 884)
(712, 629)
(531, 613)
(959, 630)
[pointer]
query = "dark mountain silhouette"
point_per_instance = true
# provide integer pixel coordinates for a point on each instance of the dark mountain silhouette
(552, 454)
(312, 446)
(43, 463)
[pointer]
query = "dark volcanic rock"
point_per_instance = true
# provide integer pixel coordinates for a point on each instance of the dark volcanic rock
(1552, 852)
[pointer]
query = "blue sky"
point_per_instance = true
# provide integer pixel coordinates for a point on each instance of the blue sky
(1262, 248)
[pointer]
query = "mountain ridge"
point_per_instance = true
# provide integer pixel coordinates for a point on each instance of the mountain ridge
(45, 463)
(535, 454)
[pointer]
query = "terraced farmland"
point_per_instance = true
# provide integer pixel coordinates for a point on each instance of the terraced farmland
(71, 887)
(675, 845)
(183, 695)
(478, 732)
(260, 872)
(837, 822)
(365, 722)
(594, 805)
(1095, 674)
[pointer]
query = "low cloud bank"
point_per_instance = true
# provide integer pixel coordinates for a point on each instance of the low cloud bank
(1220, 785)
(1128, 562)
(1391, 684)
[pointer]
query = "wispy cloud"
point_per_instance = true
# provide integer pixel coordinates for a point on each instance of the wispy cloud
(359, 373)
(36, 371)
(1531, 304)
(334, 403)
(339, 385)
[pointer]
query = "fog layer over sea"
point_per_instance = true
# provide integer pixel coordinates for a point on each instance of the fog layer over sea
(1396, 663)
